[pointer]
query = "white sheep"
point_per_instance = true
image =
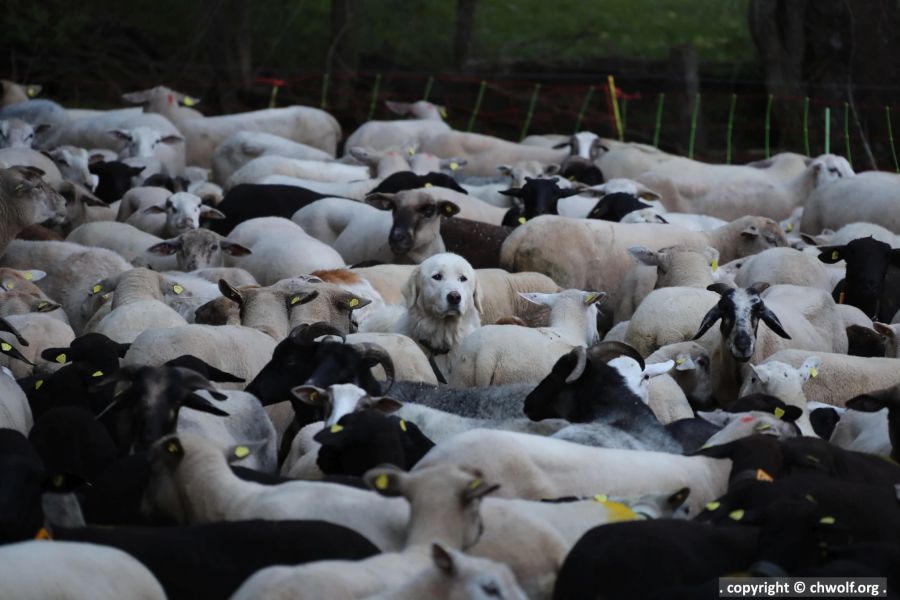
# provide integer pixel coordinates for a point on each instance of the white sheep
(496, 354)
(785, 383)
(179, 213)
(243, 146)
(15, 411)
(42, 331)
(26, 157)
(783, 265)
(318, 170)
(485, 153)
(280, 249)
(427, 121)
(204, 250)
(16, 133)
(865, 197)
(303, 124)
(533, 467)
(37, 570)
(128, 241)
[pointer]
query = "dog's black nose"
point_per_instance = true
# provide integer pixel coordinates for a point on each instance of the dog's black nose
(454, 298)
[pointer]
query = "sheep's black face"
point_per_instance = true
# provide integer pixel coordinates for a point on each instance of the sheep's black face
(867, 264)
(740, 311)
(553, 398)
(21, 485)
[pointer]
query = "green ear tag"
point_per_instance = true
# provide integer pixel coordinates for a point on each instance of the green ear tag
(715, 265)
(834, 255)
(295, 300)
(827, 520)
(38, 384)
(336, 428)
(42, 304)
(601, 498)
(403, 425)
(10, 285)
(779, 412)
(736, 515)
(177, 289)
(28, 276)
(381, 482)
(475, 483)
(241, 452)
(96, 289)
(172, 448)
(428, 185)
(97, 374)
(5, 347)
(61, 358)
(789, 228)
(813, 372)
(522, 220)
(712, 505)
(354, 302)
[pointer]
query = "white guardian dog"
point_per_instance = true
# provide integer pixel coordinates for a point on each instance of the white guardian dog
(443, 303)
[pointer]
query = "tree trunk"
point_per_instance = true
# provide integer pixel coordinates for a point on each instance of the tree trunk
(462, 41)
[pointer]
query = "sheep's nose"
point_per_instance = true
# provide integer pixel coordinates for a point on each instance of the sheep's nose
(454, 298)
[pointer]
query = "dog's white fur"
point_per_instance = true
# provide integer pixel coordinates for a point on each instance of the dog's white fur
(429, 317)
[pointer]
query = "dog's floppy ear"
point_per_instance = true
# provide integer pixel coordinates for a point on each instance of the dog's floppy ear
(478, 296)
(411, 287)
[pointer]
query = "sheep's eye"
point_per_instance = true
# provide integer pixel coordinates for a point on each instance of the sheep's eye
(491, 589)
(463, 278)
(437, 276)
(646, 377)
(427, 210)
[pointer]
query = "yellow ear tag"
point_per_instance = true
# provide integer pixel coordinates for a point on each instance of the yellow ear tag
(106, 295)
(454, 165)
(188, 101)
(601, 498)
(5, 347)
(736, 515)
(403, 425)
(590, 298)
(313, 396)
(31, 91)
(448, 209)
(834, 255)
(177, 288)
(241, 452)
(411, 151)
(172, 448)
(762, 427)
(295, 300)
(96, 289)
(779, 412)
(814, 372)
(679, 361)
(58, 481)
(444, 112)
(381, 482)
(789, 228)
(42, 304)
(61, 358)
(763, 476)
(522, 220)
(715, 265)
(28, 276)
(10, 285)
(827, 520)
(38, 384)
(43, 534)
(428, 185)
(20, 187)
(475, 483)
(354, 302)
(712, 506)
(97, 374)
(336, 428)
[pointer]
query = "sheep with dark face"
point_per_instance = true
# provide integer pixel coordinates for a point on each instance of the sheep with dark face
(873, 278)
(537, 197)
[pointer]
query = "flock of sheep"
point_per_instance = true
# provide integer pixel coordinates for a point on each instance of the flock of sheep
(442, 365)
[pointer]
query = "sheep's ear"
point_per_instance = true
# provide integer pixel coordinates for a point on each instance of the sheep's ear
(443, 560)
(832, 254)
(310, 394)
(242, 451)
(708, 321)
(514, 192)
(46, 306)
(762, 375)
(166, 248)
(644, 255)
(562, 145)
(678, 498)
(477, 489)
(230, 292)
(398, 108)
(883, 329)
(656, 369)
(387, 480)
(589, 298)
(350, 301)
(380, 403)
(505, 170)
(155, 210)
(771, 319)
(201, 404)
(539, 298)
(684, 362)
(447, 208)
(810, 368)
(121, 134)
(235, 249)
(382, 201)
(208, 212)
(33, 275)
(299, 298)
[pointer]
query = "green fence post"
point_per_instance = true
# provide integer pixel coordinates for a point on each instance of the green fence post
(887, 112)
(374, 96)
(477, 106)
(531, 105)
(729, 129)
(428, 87)
(584, 105)
(768, 123)
(827, 130)
(660, 100)
(624, 115)
(847, 134)
(325, 80)
(615, 105)
(694, 114)
(806, 125)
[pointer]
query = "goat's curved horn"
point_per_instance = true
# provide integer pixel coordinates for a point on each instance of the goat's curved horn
(378, 353)
(580, 364)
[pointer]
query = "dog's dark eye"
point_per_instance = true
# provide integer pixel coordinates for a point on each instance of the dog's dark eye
(463, 278)
(437, 276)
